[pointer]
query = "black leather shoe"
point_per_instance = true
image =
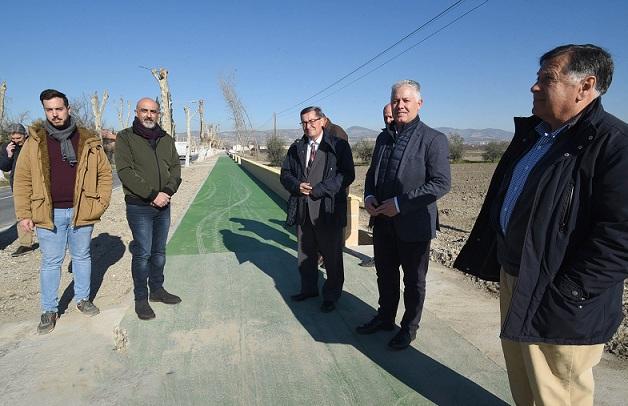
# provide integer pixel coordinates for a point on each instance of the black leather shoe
(328, 306)
(401, 340)
(162, 295)
(21, 250)
(143, 310)
(299, 297)
(376, 324)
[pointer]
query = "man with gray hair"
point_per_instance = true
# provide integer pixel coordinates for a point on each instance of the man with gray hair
(553, 230)
(8, 158)
(409, 171)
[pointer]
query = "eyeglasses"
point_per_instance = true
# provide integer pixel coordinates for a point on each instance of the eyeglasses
(310, 122)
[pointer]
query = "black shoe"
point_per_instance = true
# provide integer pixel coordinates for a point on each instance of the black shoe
(328, 306)
(143, 310)
(162, 295)
(21, 250)
(47, 323)
(299, 297)
(376, 324)
(401, 340)
(369, 262)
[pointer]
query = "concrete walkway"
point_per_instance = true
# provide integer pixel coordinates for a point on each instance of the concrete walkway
(237, 339)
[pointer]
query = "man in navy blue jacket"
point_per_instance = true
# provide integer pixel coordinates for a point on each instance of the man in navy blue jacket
(409, 171)
(553, 230)
(317, 171)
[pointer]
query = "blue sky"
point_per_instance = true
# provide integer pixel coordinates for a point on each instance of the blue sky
(475, 73)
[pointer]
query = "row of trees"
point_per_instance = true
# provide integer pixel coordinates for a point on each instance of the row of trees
(89, 111)
(363, 149)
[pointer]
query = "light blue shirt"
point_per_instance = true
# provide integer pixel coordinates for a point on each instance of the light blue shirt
(524, 167)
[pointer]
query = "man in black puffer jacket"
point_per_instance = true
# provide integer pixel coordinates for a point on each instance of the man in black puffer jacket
(553, 230)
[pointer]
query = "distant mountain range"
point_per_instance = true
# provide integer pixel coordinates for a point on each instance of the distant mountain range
(356, 133)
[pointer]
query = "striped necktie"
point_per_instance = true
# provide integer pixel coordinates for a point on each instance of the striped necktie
(312, 155)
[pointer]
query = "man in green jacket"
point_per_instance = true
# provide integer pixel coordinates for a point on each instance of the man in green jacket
(148, 167)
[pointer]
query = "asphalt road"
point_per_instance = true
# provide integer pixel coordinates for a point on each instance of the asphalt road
(7, 211)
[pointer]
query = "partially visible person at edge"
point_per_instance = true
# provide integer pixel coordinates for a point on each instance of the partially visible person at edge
(553, 230)
(388, 120)
(316, 172)
(8, 159)
(61, 187)
(408, 173)
(148, 167)
(334, 129)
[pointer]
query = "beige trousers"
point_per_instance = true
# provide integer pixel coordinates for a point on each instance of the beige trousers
(547, 374)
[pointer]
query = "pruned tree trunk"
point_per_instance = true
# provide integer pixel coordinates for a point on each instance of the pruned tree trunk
(167, 123)
(98, 110)
(201, 119)
(123, 122)
(188, 119)
(3, 91)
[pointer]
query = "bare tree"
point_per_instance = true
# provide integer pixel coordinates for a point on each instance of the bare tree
(3, 91)
(201, 119)
(98, 109)
(188, 119)
(167, 122)
(122, 121)
(239, 115)
(81, 111)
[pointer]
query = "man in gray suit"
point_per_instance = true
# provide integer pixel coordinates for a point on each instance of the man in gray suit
(408, 173)
(317, 170)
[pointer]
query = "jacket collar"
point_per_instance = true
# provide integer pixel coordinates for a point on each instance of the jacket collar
(589, 116)
(327, 139)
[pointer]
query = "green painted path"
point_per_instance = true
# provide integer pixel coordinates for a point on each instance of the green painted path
(237, 339)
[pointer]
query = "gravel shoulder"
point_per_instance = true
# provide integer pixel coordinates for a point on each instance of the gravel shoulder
(457, 212)
(111, 260)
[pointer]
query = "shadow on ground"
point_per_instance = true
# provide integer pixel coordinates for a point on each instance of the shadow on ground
(106, 250)
(428, 377)
(8, 236)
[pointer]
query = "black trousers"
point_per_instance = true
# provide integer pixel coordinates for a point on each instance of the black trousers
(413, 257)
(326, 239)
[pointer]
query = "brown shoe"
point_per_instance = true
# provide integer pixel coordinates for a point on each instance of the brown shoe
(47, 323)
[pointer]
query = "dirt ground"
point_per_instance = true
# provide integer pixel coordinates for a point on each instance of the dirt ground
(457, 213)
(111, 261)
(19, 277)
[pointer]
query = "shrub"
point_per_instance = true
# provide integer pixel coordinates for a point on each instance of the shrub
(276, 151)
(456, 146)
(363, 150)
(495, 150)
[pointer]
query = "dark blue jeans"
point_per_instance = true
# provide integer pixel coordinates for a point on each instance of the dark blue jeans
(149, 226)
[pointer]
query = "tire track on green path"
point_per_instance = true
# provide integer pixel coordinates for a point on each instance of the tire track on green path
(230, 201)
(214, 217)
